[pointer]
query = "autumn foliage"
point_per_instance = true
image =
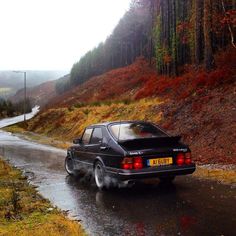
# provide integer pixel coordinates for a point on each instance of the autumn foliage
(192, 82)
(118, 84)
(197, 105)
(139, 80)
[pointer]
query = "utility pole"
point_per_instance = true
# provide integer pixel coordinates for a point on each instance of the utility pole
(24, 96)
(23, 72)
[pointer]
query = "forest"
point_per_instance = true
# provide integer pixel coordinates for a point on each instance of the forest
(170, 34)
(8, 109)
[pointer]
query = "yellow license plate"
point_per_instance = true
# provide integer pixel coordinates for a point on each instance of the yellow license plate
(160, 161)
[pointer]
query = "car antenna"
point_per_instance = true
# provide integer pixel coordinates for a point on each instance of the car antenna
(119, 131)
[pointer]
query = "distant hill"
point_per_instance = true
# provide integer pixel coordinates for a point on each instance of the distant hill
(40, 94)
(10, 82)
(122, 83)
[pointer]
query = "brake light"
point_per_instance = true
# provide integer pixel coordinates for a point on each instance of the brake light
(138, 163)
(127, 163)
(130, 163)
(180, 159)
(183, 158)
(188, 160)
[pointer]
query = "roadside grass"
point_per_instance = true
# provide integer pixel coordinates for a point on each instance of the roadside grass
(18, 128)
(24, 212)
(223, 174)
(67, 123)
(38, 138)
(58, 127)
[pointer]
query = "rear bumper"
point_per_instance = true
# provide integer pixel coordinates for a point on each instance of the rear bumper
(163, 171)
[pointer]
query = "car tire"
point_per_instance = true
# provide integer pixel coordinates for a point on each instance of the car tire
(167, 180)
(100, 176)
(69, 166)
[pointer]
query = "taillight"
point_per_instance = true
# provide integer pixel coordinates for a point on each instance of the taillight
(127, 163)
(183, 158)
(188, 160)
(130, 163)
(138, 163)
(180, 159)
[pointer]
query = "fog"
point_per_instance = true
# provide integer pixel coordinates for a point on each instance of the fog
(53, 35)
(10, 82)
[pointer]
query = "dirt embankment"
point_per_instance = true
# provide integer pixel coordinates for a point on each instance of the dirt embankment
(207, 123)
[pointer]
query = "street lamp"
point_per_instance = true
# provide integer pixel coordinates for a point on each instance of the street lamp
(23, 72)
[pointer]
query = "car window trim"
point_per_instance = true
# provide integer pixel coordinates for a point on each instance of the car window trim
(84, 133)
(92, 135)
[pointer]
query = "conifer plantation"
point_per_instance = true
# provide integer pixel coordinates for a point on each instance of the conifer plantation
(170, 34)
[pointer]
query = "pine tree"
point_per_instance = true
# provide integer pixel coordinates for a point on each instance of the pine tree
(208, 52)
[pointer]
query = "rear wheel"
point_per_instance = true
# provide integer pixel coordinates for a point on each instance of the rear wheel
(99, 175)
(167, 180)
(69, 165)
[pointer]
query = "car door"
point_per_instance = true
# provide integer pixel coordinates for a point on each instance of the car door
(81, 148)
(93, 148)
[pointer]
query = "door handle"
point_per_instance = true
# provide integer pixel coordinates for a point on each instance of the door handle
(103, 148)
(84, 148)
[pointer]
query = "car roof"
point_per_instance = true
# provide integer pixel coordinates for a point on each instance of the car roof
(117, 122)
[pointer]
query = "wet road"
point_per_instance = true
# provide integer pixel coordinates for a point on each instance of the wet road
(17, 119)
(189, 207)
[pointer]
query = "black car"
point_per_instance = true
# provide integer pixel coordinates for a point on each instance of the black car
(127, 151)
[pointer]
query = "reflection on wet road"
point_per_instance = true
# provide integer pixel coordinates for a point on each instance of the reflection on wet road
(189, 207)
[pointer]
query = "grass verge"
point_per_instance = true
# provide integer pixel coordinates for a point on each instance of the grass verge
(225, 174)
(21, 132)
(24, 212)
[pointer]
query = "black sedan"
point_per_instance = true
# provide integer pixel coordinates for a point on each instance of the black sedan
(119, 153)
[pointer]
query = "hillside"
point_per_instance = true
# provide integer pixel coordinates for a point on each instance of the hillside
(199, 105)
(40, 94)
(170, 34)
(11, 82)
(170, 62)
(120, 84)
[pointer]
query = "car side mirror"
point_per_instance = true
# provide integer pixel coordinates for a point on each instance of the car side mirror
(77, 141)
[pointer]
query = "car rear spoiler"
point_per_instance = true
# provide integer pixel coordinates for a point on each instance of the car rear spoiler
(149, 142)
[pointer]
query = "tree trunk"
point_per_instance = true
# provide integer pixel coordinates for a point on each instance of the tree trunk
(174, 40)
(151, 34)
(229, 26)
(121, 54)
(198, 22)
(234, 4)
(208, 52)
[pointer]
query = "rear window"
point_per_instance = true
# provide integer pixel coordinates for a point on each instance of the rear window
(127, 131)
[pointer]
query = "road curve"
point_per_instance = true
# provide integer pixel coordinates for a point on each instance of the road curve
(13, 120)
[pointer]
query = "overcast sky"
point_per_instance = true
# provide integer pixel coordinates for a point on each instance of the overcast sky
(53, 34)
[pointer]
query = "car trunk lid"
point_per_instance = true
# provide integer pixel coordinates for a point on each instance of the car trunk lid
(164, 148)
(150, 143)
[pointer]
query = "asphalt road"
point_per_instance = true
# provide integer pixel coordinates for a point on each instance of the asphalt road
(189, 207)
(17, 119)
